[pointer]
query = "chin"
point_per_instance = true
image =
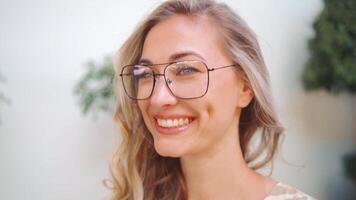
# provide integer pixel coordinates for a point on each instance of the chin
(170, 149)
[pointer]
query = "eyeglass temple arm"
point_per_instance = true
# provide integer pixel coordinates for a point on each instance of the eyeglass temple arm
(217, 68)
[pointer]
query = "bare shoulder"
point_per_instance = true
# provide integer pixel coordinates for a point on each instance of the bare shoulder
(285, 192)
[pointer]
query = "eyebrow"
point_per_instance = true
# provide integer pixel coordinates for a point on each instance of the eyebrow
(175, 56)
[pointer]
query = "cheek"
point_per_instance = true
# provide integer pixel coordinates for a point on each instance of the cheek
(222, 101)
(224, 94)
(220, 112)
(143, 109)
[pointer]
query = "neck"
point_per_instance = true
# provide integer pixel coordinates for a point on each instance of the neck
(222, 173)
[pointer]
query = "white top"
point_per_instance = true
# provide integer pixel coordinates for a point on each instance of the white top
(285, 192)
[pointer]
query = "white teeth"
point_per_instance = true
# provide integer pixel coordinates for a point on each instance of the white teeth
(181, 121)
(163, 123)
(169, 123)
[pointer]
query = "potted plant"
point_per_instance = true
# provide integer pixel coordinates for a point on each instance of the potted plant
(332, 65)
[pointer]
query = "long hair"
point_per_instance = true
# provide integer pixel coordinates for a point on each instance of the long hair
(137, 170)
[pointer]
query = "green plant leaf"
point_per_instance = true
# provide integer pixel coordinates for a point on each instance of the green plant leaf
(95, 89)
(332, 65)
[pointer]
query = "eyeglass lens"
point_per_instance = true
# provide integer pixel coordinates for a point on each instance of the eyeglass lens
(186, 79)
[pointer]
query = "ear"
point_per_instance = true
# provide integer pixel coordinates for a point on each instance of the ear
(245, 92)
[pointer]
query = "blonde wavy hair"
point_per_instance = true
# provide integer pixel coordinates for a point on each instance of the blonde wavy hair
(138, 171)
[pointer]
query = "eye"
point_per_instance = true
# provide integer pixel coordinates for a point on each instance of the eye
(186, 70)
(142, 73)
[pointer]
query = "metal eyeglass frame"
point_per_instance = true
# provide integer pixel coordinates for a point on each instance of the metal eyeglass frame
(167, 81)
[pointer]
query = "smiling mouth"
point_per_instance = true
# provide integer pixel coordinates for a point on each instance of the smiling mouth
(173, 122)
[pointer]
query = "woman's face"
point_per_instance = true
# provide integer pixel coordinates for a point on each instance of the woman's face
(204, 124)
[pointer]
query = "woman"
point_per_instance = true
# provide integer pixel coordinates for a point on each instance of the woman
(194, 92)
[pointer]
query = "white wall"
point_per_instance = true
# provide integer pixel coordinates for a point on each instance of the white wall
(48, 150)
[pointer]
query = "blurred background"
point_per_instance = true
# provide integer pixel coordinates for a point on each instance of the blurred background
(57, 137)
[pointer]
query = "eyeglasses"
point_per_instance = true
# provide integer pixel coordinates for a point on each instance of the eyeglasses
(184, 79)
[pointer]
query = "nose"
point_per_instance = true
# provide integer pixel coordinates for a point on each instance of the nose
(162, 95)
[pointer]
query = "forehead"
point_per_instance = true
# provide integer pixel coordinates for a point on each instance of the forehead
(181, 33)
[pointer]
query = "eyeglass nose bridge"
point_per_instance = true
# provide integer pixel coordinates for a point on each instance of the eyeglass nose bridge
(167, 80)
